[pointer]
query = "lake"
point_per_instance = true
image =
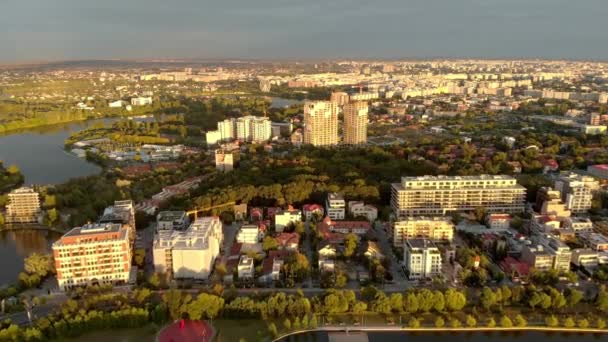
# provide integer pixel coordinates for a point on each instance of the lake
(15, 245)
(397, 336)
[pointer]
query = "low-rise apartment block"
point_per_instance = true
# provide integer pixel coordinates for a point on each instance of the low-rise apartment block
(359, 208)
(421, 259)
(23, 206)
(191, 253)
(439, 195)
(249, 233)
(433, 228)
(93, 254)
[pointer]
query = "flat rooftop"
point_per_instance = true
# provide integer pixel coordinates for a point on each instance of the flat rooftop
(420, 243)
(170, 215)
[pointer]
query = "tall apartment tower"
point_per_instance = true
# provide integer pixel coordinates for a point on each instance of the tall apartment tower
(23, 206)
(226, 129)
(320, 123)
(355, 123)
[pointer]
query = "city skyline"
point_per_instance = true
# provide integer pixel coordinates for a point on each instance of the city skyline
(69, 30)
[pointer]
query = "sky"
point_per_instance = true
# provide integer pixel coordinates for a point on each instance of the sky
(38, 30)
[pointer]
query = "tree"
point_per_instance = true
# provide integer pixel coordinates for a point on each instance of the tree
(520, 321)
(287, 324)
(413, 323)
(455, 323)
(551, 321)
(341, 280)
(205, 305)
(350, 245)
(506, 322)
(154, 280)
(269, 243)
(491, 323)
(39, 264)
(471, 321)
(52, 216)
(573, 297)
(139, 257)
(396, 300)
(488, 298)
(313, 322)
(601, 302)
(439, 322)
(1, 219)
(569, 323)
(583, 323)
(455, 300)
(175, 301)
(13, 170)
(359, 308)
(411, 303)
(600, 323)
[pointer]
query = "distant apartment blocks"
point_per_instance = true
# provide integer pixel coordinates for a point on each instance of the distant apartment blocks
(439, 195)
(321, 123)
(247, 129)
(23, 206)
(355, 123)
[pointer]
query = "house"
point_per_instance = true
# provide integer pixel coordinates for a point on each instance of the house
(240, 211)
(286, 217)
(550, 165)
(310, 210)
(371, 250)
(249, 233)
(272, 266)
(256, 214)
(498, 221)
(335, 206)
(327, 250)
(246, 268)
(288, 241)
(343, 227)
(514, 269)
(359, 208)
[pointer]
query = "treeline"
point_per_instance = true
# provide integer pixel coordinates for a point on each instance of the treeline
(10, 177)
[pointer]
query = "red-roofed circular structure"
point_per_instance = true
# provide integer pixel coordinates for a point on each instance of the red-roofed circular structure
(186, 331)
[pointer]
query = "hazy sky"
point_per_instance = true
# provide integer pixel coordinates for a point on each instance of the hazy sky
(89, 29)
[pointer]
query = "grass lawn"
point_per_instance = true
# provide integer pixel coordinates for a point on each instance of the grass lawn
(234, 330)
(144, 334)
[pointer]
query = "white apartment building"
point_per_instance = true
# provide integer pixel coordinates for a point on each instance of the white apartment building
(586, 258)
(335, 206)
(23, 206)
(364, 96)
(537, 257)
(561, 254)
(172, 220)
(577, 191)
(439, 195)
(359, 208)
(320, 123)
(213, 137)
(141, 101)
(93, 254)
(355, 123)
(286, 217)
(498, 221)
(260, 129)
(191, 253)
(421, 259)
(226, 129)
(433, 228)
(249, 233)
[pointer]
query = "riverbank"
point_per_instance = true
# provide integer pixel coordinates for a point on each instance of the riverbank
(368, 329)
(21, 227)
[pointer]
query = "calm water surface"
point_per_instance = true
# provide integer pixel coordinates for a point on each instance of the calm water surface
(457, 337)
